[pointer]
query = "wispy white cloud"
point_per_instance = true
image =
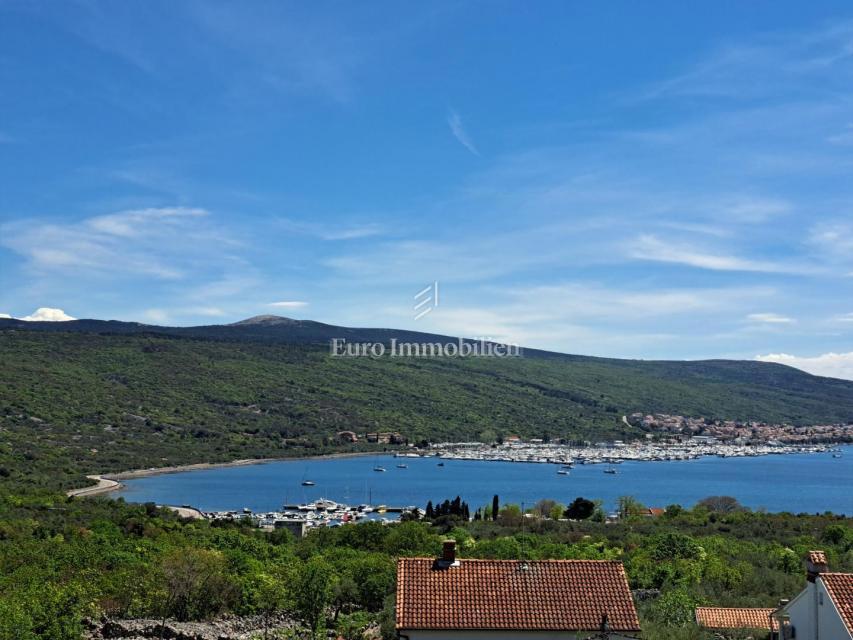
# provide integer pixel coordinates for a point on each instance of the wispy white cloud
(331, 231)
(454, 121)
(288, 304)
(5, 315)
(773, 64)
(139, 222)
(158, 242)
(584, 317)
(833, 239)
(755, 209)
(770, 318)
(832, 365)
(651, 248)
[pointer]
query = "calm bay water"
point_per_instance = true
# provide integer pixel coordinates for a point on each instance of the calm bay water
(797, 483)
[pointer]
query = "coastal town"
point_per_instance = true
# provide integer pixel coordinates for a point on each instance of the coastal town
(737, 431)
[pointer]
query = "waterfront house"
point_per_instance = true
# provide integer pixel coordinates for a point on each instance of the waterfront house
(449, 598)
(386, 437)
(295, 526)
(730, 619)
(824, 609)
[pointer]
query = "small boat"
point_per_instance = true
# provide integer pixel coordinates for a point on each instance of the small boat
(440, 464)
(380, 469)
(562, 472)
(610, 470)
(308, 483)
(402, 466)
(836, 455)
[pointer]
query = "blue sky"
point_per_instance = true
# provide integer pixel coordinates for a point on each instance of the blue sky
(605, 178)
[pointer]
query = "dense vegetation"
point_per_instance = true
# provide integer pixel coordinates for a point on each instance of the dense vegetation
(64, 559)
(84, 402)
(74, 403)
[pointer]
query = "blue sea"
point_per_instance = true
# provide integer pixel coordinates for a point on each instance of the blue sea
(797, 483)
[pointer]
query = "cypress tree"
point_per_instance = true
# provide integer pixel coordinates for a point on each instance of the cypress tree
(495, 507)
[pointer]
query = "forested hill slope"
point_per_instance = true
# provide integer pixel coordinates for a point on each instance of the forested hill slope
(88, 402)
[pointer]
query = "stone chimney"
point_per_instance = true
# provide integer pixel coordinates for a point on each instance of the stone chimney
(448, 554)
(815, 565)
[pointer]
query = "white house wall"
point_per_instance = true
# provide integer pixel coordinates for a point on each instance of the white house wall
(831, 625)
(826, 625)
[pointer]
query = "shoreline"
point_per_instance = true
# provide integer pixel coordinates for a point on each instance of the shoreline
(101, 486)
(109, 482)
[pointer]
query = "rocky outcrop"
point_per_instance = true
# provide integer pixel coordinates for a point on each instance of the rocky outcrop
(230, 628)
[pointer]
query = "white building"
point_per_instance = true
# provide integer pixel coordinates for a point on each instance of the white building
(824, 609)
(461, 599)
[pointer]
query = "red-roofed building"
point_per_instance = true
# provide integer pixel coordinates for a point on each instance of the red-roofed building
(734, 618)
(449, 598)
(824, 609)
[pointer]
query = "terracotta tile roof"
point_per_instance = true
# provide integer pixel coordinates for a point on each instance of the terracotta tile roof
(840, 589)
(563, 595)
(730, 618)
(817, 557)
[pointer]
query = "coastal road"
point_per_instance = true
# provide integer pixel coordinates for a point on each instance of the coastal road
(103, 485)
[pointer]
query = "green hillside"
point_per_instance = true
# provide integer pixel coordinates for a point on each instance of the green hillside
(82, 402)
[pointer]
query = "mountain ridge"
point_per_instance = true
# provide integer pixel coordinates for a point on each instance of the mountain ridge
(282, 329)
(92, 396)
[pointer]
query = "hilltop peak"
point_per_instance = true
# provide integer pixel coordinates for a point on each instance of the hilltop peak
(265, 320)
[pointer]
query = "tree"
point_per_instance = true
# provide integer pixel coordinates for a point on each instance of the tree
(720, 504)
(195, 585)
(544, 507)
(580, 509)
(495, 507)
(511, 515)
(674, 608)
(411, 539)
(488, 436)
(15, 621)
(675, 546)
(557, 511)
(353, 625)
(271, 597)
(315, 581)
(629, 506)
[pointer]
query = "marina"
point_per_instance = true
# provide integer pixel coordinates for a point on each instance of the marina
(613, 453)
(319, 513)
